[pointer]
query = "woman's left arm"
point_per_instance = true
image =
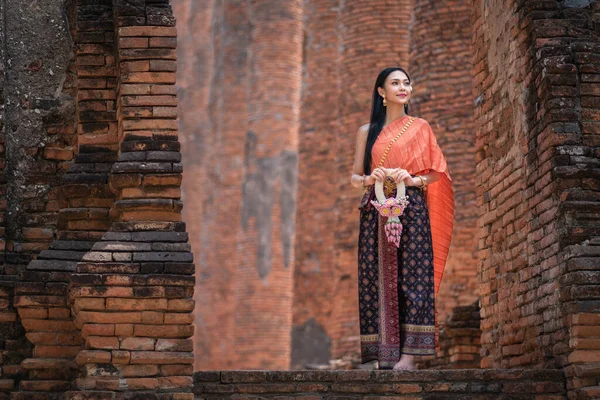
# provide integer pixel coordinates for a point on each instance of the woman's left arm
(430, 177)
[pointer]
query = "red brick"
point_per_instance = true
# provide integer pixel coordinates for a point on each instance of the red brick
(97, 330)
(58, 313)
(143, 124)
(174, 345)
(135, 66)
(120, 357)
(56, 351)
(82, 304)
(176, 382)
(163, 65)
(102, 342)
(147, 31)
(149, 101)
(136, 304)
(181, 305)
(141, 383)
(107, 318)
(152, 317)
(168, 42)
(178, 318)
(164, 112)
(45, 325)
(140, 370)
(151, 77)
(124, 330)
(164, 331)
(37, 313)
(38, 233)
(172, 370)
(160, 357)
(93, 356)
(137, 343)
(133, 42)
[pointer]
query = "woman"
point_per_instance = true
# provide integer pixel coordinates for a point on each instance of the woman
(397, 285)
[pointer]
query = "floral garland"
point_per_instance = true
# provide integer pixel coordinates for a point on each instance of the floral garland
(392, 208)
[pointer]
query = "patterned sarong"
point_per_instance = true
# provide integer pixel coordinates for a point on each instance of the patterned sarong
(396, 285)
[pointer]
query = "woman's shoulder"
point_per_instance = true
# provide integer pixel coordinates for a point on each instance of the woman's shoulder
(420, 120)
(422, 123)
(363, 131)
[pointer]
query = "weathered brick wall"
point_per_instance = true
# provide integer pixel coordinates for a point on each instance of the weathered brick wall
(206, 125)
(370, 385)
(535, 69)
(441, 69)
(459, 341)
(108, 308)
(248, 157)
(194, 83)
(37, 144)
(315, 275)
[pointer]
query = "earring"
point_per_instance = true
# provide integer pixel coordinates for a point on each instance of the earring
(384, 102)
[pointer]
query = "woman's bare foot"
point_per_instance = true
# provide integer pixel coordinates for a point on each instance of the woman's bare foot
(406, 363)
(371, 365)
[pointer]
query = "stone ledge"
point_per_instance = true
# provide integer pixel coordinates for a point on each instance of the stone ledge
(356, 384)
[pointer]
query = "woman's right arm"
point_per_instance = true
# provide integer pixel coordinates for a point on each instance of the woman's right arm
(357, 180)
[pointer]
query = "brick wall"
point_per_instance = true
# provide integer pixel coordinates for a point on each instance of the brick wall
(223, 72)
(535, 69)
(108, 307)
(37, 145)
(194, 83)
(441, 70)
(248, 157)
(459, 341)
(317, 385)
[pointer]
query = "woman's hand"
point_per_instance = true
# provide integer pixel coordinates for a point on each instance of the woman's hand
(400, 175)
(378, 175)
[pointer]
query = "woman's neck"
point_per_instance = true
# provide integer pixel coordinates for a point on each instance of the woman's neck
(393, 113)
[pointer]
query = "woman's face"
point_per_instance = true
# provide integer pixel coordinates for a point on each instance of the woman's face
(396, 88)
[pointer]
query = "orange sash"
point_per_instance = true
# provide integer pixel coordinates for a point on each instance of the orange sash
(418, 152)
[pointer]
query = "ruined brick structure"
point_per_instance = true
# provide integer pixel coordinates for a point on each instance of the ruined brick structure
(97, 280)
(98, 272)
(536, 66)
(508, 88)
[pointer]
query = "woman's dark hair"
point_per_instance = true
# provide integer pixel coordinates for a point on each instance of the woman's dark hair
(378, 115)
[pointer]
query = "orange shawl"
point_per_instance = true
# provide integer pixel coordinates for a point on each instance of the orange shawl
(418, 152)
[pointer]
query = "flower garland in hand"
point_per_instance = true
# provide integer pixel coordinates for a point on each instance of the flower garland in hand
(392, 208)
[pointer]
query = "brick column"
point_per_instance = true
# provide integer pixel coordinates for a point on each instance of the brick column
(263, 277)
(537, 161)
(319, 131)
(441, 70)
(201, 127)
(132, 298)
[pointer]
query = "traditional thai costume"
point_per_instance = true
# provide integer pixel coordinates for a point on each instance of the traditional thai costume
(398, 285)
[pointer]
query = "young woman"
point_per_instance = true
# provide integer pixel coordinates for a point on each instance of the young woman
(398, 282)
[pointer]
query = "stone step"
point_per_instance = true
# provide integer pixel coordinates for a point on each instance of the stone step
(359, 384)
